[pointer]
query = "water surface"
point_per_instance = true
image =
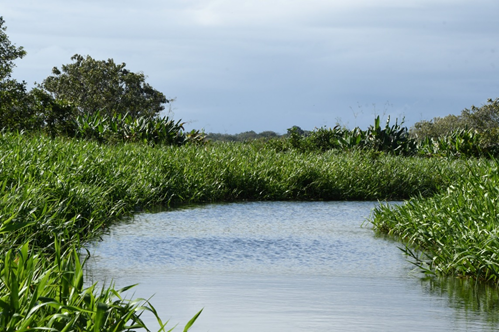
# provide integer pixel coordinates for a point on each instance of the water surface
(276, 266)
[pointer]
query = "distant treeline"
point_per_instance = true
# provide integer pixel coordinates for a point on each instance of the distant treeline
(241, 137)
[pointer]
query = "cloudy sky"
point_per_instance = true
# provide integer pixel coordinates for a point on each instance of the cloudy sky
(236, 66)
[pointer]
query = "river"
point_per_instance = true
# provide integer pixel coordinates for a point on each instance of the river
(281, 266)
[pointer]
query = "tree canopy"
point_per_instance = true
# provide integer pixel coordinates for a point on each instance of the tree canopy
(483, 119)
(105, 87)
(8, 53)
(13, 95)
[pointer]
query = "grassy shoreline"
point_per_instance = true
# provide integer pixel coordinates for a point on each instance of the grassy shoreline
(58, 193)
(67, 187)
(454, 232)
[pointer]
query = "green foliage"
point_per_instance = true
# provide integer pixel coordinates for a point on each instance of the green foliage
(437, 127)
(54, 116)
(57, 192)
(8, 53)
(392, 139)
(63, 188)
(125, 128)
(105, 87)
(241, 137)
(13, 98)
(459, 143)
(42, 293)
(480, 119)
(454, 232)
(16, 113)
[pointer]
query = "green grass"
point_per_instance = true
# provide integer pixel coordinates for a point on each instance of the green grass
(63, 188)
(455, 232)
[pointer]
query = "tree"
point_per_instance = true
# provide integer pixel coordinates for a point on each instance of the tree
(105, 87)
(8, 53)
(13, 96)
(437, 127)
(483, 119)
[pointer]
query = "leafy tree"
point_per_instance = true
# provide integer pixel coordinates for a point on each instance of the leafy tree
(481, 119)
(475, 131)
(54, 116)
(437, 127)
(104, 87)
(13, 96)
(8, 53)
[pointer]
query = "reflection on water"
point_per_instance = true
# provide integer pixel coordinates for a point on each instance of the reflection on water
(282, 266)
(467, 297)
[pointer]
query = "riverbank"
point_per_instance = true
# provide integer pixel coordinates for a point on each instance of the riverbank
(454, 232)
(63, 191)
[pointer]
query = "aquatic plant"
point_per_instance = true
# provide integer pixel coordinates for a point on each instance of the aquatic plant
(47, 293)
(125, 128)
(454, 232)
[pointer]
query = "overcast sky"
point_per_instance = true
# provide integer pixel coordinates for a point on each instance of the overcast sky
(237, 65)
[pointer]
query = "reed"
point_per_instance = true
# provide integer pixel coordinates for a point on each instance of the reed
(454, 232)
(37, 293)
(61, 188)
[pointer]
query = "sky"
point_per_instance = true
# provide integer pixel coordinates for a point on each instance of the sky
(236, 66)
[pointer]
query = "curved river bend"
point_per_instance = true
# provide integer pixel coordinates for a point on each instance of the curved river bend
(280, 266)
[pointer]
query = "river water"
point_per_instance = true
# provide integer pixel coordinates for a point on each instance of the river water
(281, 266)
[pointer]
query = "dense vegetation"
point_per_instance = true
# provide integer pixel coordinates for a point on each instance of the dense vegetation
(461, 142)
(105, 87)
(70, 166)
(66, 191)
(454, 232)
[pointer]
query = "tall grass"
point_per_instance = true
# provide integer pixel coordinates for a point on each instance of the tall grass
(41, 294)
(455, 232)
(125, 128)
(61, 188)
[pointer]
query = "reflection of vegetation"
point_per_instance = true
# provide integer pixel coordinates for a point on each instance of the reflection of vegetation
(467, 295)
